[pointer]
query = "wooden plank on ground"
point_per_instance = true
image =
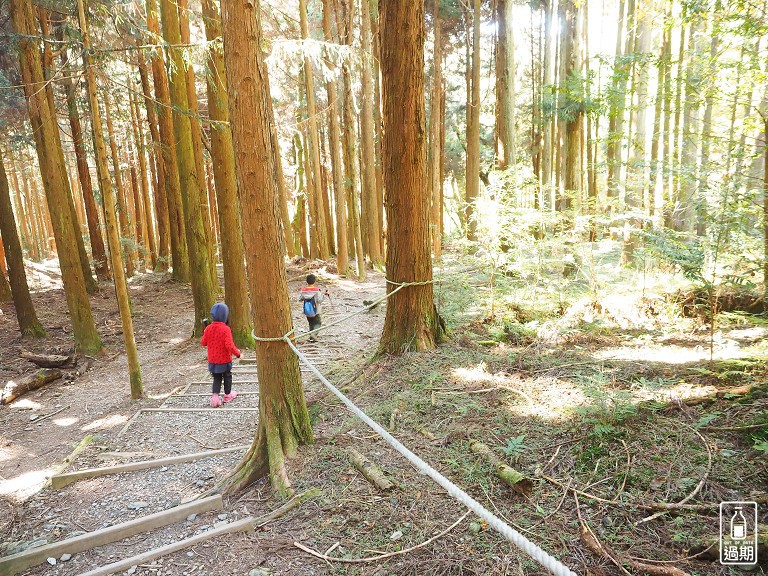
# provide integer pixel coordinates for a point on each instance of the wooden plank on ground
(10, 565)
(239, 526)
(62, 480)
(249, 523)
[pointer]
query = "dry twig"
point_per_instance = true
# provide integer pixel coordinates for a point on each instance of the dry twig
(327, 558)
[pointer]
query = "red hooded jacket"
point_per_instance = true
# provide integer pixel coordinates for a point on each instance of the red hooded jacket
(218, 338)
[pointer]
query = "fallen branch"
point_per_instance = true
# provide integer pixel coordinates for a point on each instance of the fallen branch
(509, 475)
(59, 468)
(735, 428)
(15, 388)
(604, 551)
(371, 472)
(327, 558)
(50, 360)
(52, 414)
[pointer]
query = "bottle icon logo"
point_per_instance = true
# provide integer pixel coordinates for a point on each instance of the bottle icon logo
(738, 533)
(738, 525)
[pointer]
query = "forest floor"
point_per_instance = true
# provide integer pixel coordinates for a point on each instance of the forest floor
(612, 394)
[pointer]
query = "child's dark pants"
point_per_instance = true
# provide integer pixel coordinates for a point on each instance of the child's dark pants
(314, 322)
(227, 378)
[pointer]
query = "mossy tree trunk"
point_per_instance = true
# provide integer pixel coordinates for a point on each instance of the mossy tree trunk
(178, 233)
(411, 322)
(197, 146)
(223, 159)
(91, 286)
(283, 417)
(113, 238)
(126, 236)
(147, 231)
(342, 254)
(84, 175)
(193, 195)
(157, 165)
(57, 191)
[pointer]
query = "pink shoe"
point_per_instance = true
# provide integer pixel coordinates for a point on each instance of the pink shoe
(229, 397)
(216, 401)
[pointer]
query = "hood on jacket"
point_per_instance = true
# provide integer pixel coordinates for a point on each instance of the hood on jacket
(220, 312)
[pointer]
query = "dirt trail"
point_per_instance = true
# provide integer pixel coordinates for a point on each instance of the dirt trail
(98, 404)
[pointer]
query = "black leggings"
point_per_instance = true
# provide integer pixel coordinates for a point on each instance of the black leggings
(217, 378)
(314, 322)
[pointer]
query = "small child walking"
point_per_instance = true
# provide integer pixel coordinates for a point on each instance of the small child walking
(311, 297)
(218, 338)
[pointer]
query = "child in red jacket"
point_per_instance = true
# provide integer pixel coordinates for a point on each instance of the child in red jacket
(218, 338)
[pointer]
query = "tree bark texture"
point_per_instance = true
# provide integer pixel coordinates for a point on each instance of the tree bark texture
(159, 177)
(505, 85)
(411, 321)
(283, 417)
(57, 191)
(178, 232)
(84, 175)
(192, 188)
(113, 238)
(369, 191)
(223, 159)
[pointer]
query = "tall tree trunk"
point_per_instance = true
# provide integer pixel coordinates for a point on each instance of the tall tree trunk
(636, 173)
(376, 71)
(348, 142)
(473, 129)
(138, 216)
(548, 124)
(147, 232)
(574, 123)
(411, 321)
(223, 159)
(127, 243)
(6, 294)
(369, 191)
(316, 197)
(765, 208)
(113, 239)
(591, 208)
(159, 177)
(29, 325)
(45, 129)
(706, 136)
(37, 233)
(685, 213)
(342, 255)
(193, 194)
(505, 85)
(435, 132)
(660, 128)
(42, 219)
(616, 110)
(674, 173)
(300, 218)
(197, 149)
(48, 71)
(178, 232)
(84, 175)
(283, 417)
(24, 213)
